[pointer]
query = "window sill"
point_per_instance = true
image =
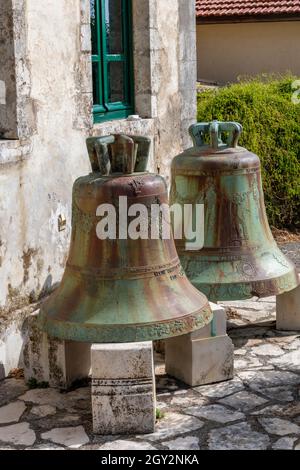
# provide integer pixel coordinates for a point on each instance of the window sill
(127, 126)
(14, 151)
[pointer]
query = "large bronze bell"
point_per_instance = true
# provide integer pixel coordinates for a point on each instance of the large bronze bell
(240, 258)
(121, 290)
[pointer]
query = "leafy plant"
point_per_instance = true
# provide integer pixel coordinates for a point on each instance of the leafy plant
(271, 129)
(159, 414)
(33, 383)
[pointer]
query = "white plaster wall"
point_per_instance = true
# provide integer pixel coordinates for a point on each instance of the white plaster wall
(33, 193)
(54, 86)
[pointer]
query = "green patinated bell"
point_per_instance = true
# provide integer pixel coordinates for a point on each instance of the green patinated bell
(240, 258)
(121, 289)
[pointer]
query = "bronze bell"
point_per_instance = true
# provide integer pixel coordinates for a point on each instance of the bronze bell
(122, 289)
(240, 258)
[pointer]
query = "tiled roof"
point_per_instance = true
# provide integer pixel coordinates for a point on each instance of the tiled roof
(226, 8)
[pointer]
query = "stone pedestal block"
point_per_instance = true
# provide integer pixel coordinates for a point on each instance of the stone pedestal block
(288, 311)
(123, 388)
(60, 363)
(204, 356)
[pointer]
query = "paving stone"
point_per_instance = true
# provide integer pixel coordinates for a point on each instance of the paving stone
(175, 424)
(290, 410)
(249, 363)
(254, 342)
(268, 349)
(290, 361)
(278, 393)
(68, 419)
(256, 316)
(269, 300)
(80, 398)
(161, 405)
(279, 427)
(43, 410)
(235, 323)
(83, 393)
(188, 401)
(293, 345)
(183, 443)
(72, 437)
(249, 305)
(285, 443)
(126, 445)
(272, 410)
(18, 434)
(243, 401)
(237, 437)
(45, 447)
(45, 396)
(262, 379)
(217, 413)
(240, 352)
(220, 390)
(12, 413)
(10, 389)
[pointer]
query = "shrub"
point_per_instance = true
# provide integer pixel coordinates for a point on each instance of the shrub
(271, 124)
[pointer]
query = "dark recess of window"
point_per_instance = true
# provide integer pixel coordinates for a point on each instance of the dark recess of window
(111, 26)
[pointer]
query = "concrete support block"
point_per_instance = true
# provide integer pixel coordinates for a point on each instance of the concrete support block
(204, 356)
(288, 310)
(123, 388)
(60, 363)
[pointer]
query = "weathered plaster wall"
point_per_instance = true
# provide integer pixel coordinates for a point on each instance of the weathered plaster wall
(54, 99)
(35, 191)
(8, 114)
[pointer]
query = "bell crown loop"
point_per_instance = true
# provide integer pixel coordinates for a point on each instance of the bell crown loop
(119, 153)
(214, 130)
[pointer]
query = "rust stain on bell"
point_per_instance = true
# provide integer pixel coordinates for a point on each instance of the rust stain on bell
(121, 290)
(240, 258)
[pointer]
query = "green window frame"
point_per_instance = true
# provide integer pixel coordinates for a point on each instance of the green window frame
(112, 60)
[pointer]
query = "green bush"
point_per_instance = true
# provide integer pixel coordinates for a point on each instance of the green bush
(271, 124)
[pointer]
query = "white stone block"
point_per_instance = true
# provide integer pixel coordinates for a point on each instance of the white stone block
(123, 388)
(202, 357)
(60, 363)
(217, 327)
(288, 310)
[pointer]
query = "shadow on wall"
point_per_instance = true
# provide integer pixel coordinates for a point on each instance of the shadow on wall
(15, 338)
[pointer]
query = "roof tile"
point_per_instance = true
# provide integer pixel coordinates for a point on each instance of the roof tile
(223, 8)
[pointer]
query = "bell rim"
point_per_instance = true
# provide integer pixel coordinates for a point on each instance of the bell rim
(247, 289)
(101, 333)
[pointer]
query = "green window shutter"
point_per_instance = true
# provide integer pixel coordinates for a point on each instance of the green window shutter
(111, 25)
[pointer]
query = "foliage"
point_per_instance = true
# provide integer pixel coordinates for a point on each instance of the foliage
(271, 123)
(33, 384)
(159, 414)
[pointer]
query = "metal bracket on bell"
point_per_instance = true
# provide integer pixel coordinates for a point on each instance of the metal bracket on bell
(119, 153)
(214, 130)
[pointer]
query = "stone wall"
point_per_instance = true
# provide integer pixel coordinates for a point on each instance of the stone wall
(54, 117)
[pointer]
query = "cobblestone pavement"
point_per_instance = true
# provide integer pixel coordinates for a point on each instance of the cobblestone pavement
(259, 409)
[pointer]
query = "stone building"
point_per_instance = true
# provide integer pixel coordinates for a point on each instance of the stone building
(246, 38)
(70, 69)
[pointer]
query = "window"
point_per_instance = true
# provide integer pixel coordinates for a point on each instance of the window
(112, 59)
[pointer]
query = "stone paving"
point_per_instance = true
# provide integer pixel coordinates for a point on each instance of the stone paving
(258, 409)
